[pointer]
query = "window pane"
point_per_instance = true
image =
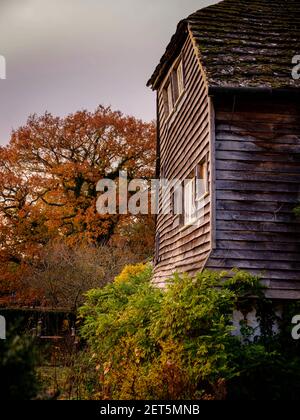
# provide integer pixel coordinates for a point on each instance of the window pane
(202, 180)
(180, 81)
(170, 98)
(189, 201)
(201, 190)
(175, 85)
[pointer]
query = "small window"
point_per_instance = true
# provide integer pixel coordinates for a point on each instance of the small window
(177, 200)
(195, 189)
(180, 78)
(189, 201)
(170, 98)
(174, 87)
(202, 187)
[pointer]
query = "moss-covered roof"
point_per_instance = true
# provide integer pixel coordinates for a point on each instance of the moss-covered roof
(242, 43)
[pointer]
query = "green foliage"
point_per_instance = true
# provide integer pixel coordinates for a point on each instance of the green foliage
(18, 361)
(297, 211)
(144, 343)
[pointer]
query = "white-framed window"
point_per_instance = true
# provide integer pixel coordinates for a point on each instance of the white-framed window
(190, 213)
(174, 87)
(195, 190)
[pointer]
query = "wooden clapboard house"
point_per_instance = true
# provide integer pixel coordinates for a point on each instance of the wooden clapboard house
(229, 115)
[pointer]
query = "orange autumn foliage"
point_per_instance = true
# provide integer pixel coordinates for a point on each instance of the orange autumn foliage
(48, 177)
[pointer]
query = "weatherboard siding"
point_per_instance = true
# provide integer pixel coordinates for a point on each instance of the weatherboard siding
(184, 142)
(257, 148)
(241, 106)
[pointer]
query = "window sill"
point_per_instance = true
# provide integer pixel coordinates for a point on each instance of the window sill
(189, 225)
(203, 197)
(195, 222)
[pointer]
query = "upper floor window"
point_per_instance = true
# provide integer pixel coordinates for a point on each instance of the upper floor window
(174, 87)
(179, 82)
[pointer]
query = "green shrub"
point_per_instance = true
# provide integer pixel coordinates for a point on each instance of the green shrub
(18, 380)
(297, 211)
(144, 343)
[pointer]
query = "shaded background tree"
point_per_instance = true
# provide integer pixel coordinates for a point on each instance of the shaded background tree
(63, 273)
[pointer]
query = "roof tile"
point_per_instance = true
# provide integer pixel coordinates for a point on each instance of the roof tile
(242, 43)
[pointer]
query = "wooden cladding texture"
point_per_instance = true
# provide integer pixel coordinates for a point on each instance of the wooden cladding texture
(184, 143)
(257, 148)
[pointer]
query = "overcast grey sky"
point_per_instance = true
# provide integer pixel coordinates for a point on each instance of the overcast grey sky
(66, 55)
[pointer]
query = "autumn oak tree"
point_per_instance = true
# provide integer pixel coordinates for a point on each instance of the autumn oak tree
(48, 177)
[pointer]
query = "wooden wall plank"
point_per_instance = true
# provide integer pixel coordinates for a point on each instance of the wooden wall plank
(257, 188)
(184, 142)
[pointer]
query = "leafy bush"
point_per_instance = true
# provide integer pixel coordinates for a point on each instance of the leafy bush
(18, 362)
(145, 343)
(130, 271)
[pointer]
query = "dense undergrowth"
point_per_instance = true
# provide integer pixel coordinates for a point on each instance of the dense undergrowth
(145, 343)
(140, 342)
